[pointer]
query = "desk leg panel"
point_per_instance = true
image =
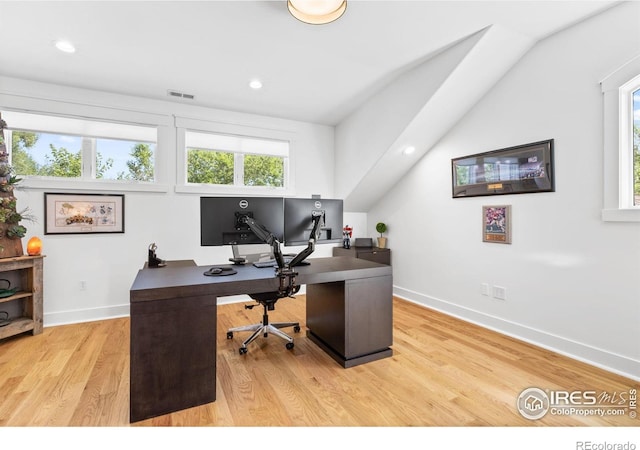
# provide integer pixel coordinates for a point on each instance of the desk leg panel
(173, 355)
(326, 314)
(352, 320)
(370, 315)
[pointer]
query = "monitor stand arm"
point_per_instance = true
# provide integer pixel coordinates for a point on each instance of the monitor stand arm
(318, 220)
(287, 277)
(285, 271)
(267, 237)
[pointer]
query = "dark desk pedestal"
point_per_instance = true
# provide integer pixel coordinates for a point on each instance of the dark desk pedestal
(173, 344)
(352, 320)
(173, 355)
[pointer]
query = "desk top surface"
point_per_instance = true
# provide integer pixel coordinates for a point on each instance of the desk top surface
(185, 278)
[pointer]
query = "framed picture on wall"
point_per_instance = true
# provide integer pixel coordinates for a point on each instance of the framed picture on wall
(496, 224)
(522, 169)
(83, 213)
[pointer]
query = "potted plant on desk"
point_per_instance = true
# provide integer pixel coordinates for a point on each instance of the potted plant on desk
(381, 227)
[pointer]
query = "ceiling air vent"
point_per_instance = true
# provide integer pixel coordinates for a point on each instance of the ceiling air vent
(171, 93)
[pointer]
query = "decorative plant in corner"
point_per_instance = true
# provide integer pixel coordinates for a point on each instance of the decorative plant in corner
(381, 228)
(11, 232)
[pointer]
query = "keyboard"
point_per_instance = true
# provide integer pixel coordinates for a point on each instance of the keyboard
(270, 262)
(267, 263)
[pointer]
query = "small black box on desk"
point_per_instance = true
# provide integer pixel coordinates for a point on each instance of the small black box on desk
(363, 242)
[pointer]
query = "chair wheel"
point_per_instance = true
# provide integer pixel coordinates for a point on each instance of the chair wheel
(289, 345)
(229, 334)
(296, 329)
(242, 350)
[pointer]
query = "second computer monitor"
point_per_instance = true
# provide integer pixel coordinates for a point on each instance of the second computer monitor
(298, 220)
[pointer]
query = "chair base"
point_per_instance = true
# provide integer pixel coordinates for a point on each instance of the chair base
(265, 329)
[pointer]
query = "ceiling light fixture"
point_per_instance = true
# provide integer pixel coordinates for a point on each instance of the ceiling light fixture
(409, 150)
(317, 12)
(255, 84)
(65, 46)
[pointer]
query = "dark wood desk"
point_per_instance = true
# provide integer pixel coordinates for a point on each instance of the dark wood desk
(173, 324)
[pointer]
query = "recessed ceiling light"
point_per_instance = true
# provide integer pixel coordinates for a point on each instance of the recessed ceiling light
(255, 84)
(409, 150)
(317, 12)
(65, 46)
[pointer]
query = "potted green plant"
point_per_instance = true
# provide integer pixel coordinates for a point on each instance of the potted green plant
(381, 228)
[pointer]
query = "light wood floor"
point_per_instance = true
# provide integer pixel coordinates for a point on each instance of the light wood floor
(444, 372)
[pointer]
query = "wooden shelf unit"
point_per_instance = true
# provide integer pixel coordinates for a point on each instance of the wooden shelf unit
(25, 306)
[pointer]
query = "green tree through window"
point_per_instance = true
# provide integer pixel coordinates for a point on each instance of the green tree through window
(263, 171)
(234, 160)
(62, 162)
(22, 162)
(141, 165)
(210, 167)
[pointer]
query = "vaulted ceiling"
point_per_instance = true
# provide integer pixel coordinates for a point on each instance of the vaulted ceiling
(331, 74)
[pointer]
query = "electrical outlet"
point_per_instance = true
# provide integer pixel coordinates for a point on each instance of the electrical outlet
(500, 292)
(83, 285)
(484, 288)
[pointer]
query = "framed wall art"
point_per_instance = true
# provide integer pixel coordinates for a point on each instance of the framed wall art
(83, 213)
(522, 169)
(496, 224)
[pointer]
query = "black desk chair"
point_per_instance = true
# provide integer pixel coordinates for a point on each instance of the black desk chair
(254, 253)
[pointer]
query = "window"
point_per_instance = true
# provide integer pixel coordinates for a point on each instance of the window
(234, 158)
(64, 147)
(621, 92)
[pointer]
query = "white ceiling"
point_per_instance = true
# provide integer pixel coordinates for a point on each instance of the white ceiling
(212, 49)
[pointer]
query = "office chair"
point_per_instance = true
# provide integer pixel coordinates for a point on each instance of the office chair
(254, 253)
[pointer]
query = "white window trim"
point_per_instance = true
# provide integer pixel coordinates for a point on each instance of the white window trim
(184, 124)
(618, 144)
(43, 106)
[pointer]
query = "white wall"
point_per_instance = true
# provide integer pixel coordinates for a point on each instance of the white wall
(416, 109)
(108, 263)
(572, 280)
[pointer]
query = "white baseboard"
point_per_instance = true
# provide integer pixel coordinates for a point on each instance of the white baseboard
(111, 312)
(108, 312)
(85, 315)
(608, 361)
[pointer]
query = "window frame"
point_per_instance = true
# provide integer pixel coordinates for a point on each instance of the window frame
(89, 157)
(184, 125)
(45, 107)
(618, 90)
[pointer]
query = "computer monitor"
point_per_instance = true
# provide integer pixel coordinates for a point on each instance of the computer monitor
(220, 222)
(298, 223)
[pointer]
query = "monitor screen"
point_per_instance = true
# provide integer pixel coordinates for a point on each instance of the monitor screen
(298, 224)
(220, 222)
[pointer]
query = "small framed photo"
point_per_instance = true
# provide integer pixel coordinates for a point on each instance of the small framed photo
(496, 224)
(83, 213)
